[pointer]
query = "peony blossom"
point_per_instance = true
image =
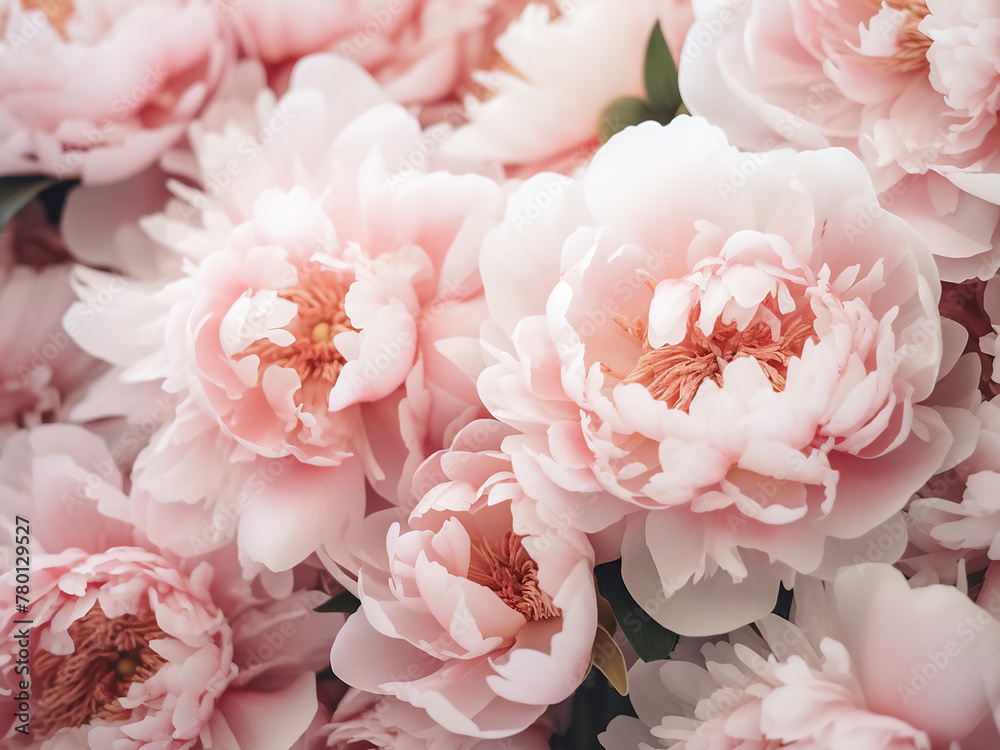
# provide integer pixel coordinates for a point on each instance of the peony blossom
(423, 51)
(42, 371)
(966, 304)
(383, 721)
(708, 338)
(990, 342)
(911, 87)
(322, 325)
(130, 646)
(544, 103)
(958, 512)
(480, 613)
(97, 91)
(871, 665)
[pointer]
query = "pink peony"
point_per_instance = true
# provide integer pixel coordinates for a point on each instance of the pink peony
(422, 51)
(364, 720)
(966, 304)
(911, 87)
(129, 646)
(480, 613)
(29, 239)
(873, 665)
(41, 370)
(990, 342)
(543, 104)
(705, 336)
(322, 326)
(959, 510)
(96, 91)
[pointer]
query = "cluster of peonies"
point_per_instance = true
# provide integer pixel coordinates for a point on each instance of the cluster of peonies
(376, 373)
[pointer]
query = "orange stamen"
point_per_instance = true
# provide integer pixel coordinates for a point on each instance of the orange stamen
(674, 373)
(319, 296)
(513, 575)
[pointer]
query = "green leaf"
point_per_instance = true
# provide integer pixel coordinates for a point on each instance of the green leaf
(621, 113)
(17, 192)
(345, 602)
(650, 640)
(660, 75)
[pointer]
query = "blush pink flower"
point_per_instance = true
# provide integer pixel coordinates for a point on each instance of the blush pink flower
(990, 342)
(41, 370)
(958, 511)
(872, 665)
(29, 239)
(911, 87)
(481, 614)
(321, 328)
(422, 51)
(136, 648)
(734, 363)
(966, 304)
(542, 107)
(363, 721)
(129, 646)
(95, 91)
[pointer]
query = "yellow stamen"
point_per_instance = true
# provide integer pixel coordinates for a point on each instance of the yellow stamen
(321, 333)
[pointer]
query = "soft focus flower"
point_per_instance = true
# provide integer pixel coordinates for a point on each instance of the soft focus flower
(323, 303)
(41, 369)
(990, 342)
(128, 646)
(29, 239)
(99, 91)
(363, 720)
(872, 665)
(959, 510)
(966, 304)
(911, 87)
(480, 613)
(543, 106)
(706, 336)
(422, 51)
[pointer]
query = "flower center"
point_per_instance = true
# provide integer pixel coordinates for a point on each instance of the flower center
(319, 296)
(58, 13)
(108, 656)
(512, 575)
(912, 43)
(674, 373)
